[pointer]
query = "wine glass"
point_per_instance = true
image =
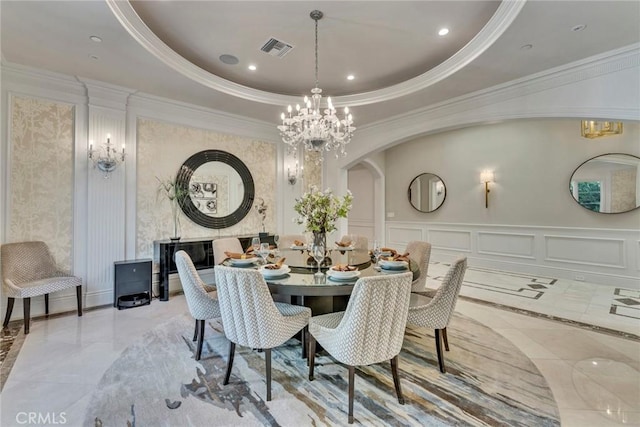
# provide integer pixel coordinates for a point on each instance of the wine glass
(318, 255)
(377, 251)
(276, 239)
(263, 251)
(255, 244)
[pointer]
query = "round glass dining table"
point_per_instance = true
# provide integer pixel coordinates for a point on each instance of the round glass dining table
(322, 294)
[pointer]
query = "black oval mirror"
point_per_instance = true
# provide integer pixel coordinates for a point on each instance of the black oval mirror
(427, 192)
(607, 183)
(220, 189)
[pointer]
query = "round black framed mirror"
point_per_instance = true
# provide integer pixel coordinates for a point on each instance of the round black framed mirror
(607, 183)
(220, 189)
(427, 192)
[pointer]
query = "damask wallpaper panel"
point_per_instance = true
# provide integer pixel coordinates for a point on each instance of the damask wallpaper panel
(163, 148)
(41, 175)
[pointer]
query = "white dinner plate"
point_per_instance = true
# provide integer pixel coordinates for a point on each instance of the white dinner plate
(344, 248)
(335, 275)
(393, 265)
(284, 269)
(298, 248)
(246, 261)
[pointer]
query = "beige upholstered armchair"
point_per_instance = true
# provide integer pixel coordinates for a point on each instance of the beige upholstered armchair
(436, 313)
(29, 270)
(358, 242)
(371, 330)
(251, 318)
(420, 252)
(202, 304)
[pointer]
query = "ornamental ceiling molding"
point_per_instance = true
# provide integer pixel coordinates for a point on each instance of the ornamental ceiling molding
(499, 22)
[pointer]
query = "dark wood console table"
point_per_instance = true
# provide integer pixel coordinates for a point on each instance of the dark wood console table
(200, 250)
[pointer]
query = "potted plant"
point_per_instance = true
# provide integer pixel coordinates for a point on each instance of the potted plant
(175, 194)
(319, 210)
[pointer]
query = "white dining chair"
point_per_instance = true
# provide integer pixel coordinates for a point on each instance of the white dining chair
(202, 304)
(436, 313)
(420, 252)
(226, 244)
(252, 319)
(371, 330)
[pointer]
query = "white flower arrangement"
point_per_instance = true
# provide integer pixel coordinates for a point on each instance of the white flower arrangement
(318, 210)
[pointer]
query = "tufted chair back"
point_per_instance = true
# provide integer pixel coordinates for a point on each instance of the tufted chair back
(27, 262)
(359, 242)
(201, 305)
(249, 315)
(229, 244)
(437, 313)
(286, 240)
(421, 252)
(373, 325)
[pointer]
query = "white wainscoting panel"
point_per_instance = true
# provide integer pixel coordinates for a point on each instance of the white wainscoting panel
(453, 240)
(507, 244)
(403, 235)
(585, 250)
(599, 256)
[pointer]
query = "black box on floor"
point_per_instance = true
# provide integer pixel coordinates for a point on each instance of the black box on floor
(132, 283)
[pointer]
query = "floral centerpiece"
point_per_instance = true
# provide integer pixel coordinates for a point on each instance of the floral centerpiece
(175, 194)
(319, 210)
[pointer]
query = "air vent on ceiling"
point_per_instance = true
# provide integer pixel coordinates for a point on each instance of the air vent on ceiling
(276, 47)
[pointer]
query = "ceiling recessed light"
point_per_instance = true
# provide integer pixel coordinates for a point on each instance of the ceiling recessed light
(443, 32)
(229, 59)
(351, 77)
(579, 27)
(95, 39)
(526, 47)
(252, 67)
(94, 57)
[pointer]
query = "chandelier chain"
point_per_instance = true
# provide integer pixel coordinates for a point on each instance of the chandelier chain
(316, 19)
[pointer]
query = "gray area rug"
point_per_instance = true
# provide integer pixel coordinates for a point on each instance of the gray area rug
(157, 382)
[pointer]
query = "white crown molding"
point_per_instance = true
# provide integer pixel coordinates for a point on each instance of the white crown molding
(168, 110)
(36, 82)
(501, 20)
(492, 104)
(106, 95)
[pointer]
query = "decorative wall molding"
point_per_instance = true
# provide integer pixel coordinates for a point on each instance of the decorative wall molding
(521, 98)
(163, 109)
(42, 84)
(590, 251)
(493, 243)
(599, 256)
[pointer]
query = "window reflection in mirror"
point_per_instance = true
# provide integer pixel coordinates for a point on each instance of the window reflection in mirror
(427, 192)
(607, 184)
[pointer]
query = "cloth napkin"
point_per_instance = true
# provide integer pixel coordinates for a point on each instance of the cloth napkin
(276, 266)
(235, 255)
(344, 243)
(298, 243)
(344, 267)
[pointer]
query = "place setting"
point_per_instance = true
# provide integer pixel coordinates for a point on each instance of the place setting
(343, 273)
(276, 270)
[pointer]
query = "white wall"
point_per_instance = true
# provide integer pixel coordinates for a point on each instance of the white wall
(361, 217)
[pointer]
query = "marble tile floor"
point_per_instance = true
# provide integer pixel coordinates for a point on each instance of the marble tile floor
(603, 307)
(594, 376)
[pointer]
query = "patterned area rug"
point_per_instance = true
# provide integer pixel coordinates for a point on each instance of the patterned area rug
(11, 339)
(157, 382)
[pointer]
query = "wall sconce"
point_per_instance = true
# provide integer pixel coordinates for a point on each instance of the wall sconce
(292, 177)
(592, 129)
(107, 158)
(486, 177)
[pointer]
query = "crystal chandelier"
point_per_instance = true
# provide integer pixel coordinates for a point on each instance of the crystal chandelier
(315, 129)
